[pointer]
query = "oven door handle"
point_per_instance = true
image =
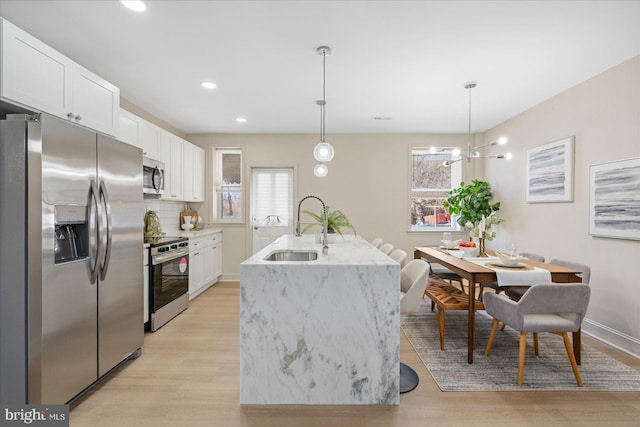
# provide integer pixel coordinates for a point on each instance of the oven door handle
(159, 259)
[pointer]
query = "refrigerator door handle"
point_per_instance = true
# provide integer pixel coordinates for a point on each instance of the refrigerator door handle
(104, 197)
(95, 248)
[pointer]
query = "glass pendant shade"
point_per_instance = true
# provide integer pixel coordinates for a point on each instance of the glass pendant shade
(323, 152)
(320, 170)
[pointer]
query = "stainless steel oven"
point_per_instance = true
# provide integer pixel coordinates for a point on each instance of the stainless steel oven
(168, 279)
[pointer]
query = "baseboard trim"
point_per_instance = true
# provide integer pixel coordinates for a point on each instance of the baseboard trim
(612, 337)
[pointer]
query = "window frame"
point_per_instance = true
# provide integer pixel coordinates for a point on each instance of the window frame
(456, 170)
(216, 204)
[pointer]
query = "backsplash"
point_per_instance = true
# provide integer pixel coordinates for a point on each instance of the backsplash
(168, 212)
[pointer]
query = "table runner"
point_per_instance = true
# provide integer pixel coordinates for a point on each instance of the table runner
(515, 277)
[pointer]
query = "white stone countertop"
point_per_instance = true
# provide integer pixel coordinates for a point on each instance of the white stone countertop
(352, 250)
(322, 332)
(189, 234)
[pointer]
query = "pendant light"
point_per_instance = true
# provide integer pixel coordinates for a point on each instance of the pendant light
(323, 151)
(471, 153)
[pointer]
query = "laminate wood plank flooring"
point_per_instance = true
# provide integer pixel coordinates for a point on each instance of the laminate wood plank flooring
(188, 375)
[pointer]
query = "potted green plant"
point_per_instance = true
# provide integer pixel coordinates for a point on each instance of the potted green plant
(471, 203)
(336, 220)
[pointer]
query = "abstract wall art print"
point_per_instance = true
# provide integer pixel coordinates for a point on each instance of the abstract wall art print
(550, 172)
(614, 199)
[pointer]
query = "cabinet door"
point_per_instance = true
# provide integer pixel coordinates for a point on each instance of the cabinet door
(175, 171)
(150, 136)
(216, 262)
(130, 128)
(95, 102)
(195, 266)
(34, 74)
(198, 174)
(208, 265)
(187, 171)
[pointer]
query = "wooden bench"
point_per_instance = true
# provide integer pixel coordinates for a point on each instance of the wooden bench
(447, 297)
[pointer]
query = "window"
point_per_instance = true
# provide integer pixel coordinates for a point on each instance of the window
(431, 183)
(272, 197)
(228, 184)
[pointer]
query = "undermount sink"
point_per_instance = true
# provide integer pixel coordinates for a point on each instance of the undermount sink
(291, 255)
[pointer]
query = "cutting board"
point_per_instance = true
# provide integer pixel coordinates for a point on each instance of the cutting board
(194, 217)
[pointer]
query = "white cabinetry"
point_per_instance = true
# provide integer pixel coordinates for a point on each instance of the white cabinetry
(171, 155)
(130, 128)
(150, 139)
(205, 262)
(184, 162)
(145, 287)
(193, 173)
(39, 77)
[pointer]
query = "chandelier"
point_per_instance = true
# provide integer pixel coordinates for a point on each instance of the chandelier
(470, 152)
(323, 151)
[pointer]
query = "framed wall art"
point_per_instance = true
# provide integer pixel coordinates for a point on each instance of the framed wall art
(550, 172)
(614, 199)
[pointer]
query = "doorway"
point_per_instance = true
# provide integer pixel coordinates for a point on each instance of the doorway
(271, 205)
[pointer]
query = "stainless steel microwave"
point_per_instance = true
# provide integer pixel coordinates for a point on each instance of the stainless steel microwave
(153, 176)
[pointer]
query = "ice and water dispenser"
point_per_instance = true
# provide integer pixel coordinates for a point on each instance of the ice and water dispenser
(71, 239)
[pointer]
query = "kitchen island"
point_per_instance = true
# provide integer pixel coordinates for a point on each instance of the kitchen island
(323, 331)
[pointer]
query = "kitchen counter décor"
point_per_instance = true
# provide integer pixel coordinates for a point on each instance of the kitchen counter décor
(319, 332)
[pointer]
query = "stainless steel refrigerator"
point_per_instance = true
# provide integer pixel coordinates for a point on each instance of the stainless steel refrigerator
(71, 291)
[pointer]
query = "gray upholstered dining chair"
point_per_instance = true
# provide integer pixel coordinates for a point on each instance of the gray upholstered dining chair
(516, 292)
(399, 256)
(413, 281)
(547, 307)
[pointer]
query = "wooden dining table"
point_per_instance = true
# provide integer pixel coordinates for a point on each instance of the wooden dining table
(476, 274)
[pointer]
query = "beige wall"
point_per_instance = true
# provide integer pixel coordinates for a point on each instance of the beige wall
(368, 180)
(603, 114)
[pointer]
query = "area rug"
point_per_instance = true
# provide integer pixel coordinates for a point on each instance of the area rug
(551, 370)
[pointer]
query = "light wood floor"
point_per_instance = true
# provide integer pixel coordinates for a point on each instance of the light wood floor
(188, 375)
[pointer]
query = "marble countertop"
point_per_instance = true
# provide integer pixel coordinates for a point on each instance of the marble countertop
(189, 234)
(323, 332)
(352, 250)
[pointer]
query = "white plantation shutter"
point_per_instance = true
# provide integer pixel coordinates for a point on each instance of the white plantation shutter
(272, 196)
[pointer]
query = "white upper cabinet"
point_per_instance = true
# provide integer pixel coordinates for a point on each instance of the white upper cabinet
(130, 128)
(193, 172)
(171, 155)
(175, 169)
(150, 138)
(39, 77)
(198, 174)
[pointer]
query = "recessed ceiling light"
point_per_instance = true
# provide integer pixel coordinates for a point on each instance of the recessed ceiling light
(381, 118)
(208, 85)
(135, 5)
(241, 120)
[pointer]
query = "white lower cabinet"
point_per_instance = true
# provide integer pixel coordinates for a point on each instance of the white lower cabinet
(205, 262)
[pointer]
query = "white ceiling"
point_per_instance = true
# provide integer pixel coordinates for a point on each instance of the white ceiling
(407, 60)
